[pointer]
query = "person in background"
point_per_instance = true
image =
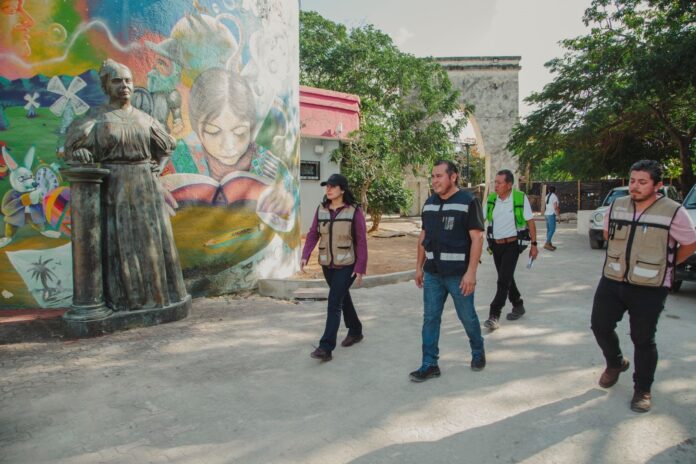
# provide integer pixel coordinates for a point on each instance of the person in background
(339, 228)
(510, 227)
(551, 212)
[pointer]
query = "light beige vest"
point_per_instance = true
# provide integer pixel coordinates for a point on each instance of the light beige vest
(637, 251)
(336, 241)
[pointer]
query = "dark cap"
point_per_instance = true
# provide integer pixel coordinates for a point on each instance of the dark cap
(337, 180)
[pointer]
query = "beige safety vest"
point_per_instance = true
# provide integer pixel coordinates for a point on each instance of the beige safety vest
(336, 241)
(638, 248)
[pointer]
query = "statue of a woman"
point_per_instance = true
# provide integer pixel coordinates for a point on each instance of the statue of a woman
(140, 259)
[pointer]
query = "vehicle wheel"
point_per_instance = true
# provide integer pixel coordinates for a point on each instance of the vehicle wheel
(676, 286)
(596, 244)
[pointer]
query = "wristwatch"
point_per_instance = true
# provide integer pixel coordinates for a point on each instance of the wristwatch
(534, 243)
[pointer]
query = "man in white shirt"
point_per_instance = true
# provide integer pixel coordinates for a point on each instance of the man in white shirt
(510, 218)
(551, 210)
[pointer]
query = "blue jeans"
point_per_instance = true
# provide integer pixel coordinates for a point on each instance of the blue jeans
(550, 227)
(435, 291)
(339, 281)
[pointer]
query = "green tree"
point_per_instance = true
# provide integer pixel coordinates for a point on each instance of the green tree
(625, 91)
(403, 100)
(386, 195)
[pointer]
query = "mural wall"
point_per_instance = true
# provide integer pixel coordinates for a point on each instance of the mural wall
(221, 75)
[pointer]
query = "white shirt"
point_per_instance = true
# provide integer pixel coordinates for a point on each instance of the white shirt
(504, 217)
(551, 204)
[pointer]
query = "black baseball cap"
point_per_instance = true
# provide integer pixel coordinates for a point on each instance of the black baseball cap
(337, 180)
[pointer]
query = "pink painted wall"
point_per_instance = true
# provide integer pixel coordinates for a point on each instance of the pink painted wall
(322, 112)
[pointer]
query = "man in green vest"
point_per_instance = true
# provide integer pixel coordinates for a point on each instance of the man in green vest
(510, 228)
(642, 231)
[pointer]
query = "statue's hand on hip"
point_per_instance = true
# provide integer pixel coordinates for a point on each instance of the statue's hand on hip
(82, 155)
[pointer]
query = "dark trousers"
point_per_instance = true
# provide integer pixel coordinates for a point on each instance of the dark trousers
(505, 258)
(644, 305)
(339, 281)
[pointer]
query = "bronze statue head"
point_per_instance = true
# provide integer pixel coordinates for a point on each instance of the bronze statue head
(116, 81)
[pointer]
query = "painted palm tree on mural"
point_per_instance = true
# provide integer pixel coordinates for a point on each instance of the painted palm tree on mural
(41, 272)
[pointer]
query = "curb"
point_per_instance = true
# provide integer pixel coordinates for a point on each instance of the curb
(29, 326)
(284, 288)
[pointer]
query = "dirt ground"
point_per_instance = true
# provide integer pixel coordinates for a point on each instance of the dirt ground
(385, 254)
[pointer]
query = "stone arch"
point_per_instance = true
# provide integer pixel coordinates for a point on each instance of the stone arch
(491, 85)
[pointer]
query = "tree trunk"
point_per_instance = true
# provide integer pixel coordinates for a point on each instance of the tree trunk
(685, 155)
(363, 200)
(376, 218)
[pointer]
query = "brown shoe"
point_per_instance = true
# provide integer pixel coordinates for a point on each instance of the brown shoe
(548, 246)
(350, 340)
(641, 402)
(611, 374)
(321, 354)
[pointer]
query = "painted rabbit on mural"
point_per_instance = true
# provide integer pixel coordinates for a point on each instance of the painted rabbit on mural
(23, 203)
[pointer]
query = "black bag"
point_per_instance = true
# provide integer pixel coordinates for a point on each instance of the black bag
(523, 239)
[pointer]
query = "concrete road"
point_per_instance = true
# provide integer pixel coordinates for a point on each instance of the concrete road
(234, 384)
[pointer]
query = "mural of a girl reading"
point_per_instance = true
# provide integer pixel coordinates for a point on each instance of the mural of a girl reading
(220, 165)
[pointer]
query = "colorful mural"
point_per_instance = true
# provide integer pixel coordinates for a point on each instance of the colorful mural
(221, 75)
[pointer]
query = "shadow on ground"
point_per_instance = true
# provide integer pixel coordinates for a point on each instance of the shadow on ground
(234, 383)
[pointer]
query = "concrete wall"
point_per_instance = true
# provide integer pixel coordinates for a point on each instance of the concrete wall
(583, 221)
(491, 85)
(420, 188)
(311, 192)
(223, 77)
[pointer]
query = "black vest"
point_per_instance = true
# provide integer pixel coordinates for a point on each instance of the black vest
(447, 243)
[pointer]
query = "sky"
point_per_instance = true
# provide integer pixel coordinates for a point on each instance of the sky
(444, 28)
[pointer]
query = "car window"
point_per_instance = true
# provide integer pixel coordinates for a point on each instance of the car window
(690, 200)
(613, 195)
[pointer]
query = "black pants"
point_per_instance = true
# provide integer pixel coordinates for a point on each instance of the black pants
(505, 258)
(339, 281)
(644, 305)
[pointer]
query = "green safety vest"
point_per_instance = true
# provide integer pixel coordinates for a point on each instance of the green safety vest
(517, 205)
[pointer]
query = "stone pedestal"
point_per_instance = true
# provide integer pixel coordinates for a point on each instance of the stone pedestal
(89, 316)
(85, 205)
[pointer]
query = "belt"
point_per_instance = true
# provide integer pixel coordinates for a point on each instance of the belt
(503, 241)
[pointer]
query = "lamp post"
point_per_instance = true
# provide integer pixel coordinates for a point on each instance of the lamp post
(467, 144)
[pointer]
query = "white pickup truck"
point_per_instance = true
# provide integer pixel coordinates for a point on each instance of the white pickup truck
(597, 218)
(687, 269)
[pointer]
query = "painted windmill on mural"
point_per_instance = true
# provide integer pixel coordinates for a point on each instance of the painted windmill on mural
(69, 104)
(32, 105)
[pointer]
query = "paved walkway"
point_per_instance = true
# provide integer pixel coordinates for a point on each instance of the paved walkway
(234, 384)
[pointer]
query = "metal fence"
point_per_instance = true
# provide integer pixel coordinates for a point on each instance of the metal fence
(572, 195)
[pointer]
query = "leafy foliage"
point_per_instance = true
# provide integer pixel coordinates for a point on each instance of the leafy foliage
(625, 91)
(403, 101)
(387, 195)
